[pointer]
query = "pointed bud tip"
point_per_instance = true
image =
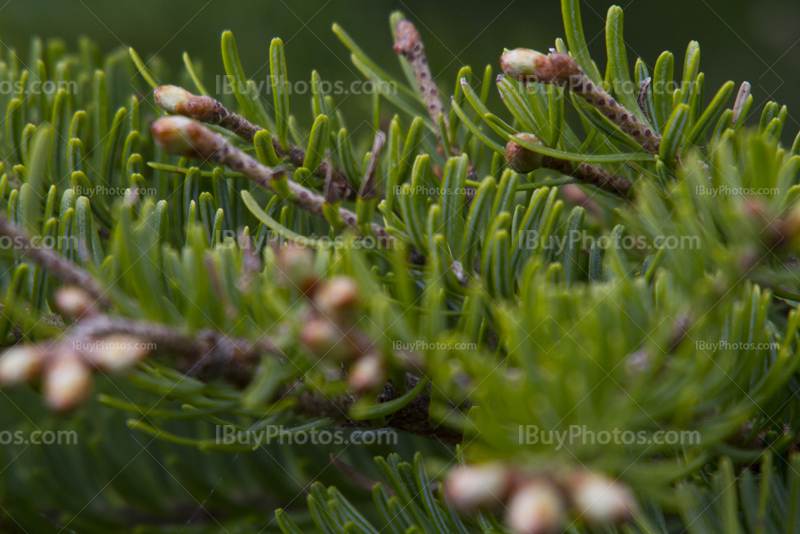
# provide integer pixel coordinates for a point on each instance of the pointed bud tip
(73, 301)
(522, 63)
(521, 159)
(20, 364)
(368, 373)
(67, 382)
(536, 508)
(171, 98)
(119, 352)
(185, 137)
(601, 500)
(337, 299)
(474, 486)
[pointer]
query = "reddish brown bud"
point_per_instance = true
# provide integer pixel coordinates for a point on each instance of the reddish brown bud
(326, 341)
(178, 100)
(600, 500)
(296, 266)
(475, 486)
(368, 373)
(536, 508)
(185, 137)
(20, 364)
(118, 352)
(520, 158)
(67, 382)
(529, 65)
(337, 299)
(74, 302)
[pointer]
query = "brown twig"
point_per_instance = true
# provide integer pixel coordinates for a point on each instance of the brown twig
(561, 69)
(178, 135)
(179, 101)
(523, 160)
(52, 262)
(409, 45)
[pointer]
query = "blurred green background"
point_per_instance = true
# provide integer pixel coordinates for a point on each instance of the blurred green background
(740, 40)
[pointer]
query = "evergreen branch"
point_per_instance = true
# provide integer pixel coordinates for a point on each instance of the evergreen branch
(524, 161)
(52, 262)
(561, 69)
(178, 135)
(177, 100)
(408, 44)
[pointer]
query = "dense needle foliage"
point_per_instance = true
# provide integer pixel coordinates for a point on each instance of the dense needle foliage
(610, 253)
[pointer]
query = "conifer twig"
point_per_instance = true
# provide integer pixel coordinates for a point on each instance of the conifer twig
(409, 45)
(178, 135)
(53, 262)
(523, 160)
(179, 101)
(561, 69)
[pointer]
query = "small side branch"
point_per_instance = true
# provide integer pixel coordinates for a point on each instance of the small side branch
(561, 69)
(409, 45)
(179, 101)
(52, 262)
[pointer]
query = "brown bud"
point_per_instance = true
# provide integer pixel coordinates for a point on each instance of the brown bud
(185, 137)
(529, 65)
(325, 341)
(67, 382)
(337, 299)
(118, 352)
(536, 508)
(172, 98)
(475, 486)
(74, 302)
(368, 373)
(522, 63)
(520, 158)
(20, 364)
(178, 100)
(296, 266)
(600, 500)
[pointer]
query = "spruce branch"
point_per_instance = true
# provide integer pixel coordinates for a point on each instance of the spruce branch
(179, 101)
(523, 160)
(408, 44)
(52, 262)
(561, 69)
(181, 136)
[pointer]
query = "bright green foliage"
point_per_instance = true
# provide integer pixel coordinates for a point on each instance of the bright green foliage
(672, 311)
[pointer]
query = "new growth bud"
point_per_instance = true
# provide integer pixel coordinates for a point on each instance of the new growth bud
(119, 352)
(600, 500)
(337, 299)
(20, 364)
(536, 508)
(185, 137)
(368, 373)
(478, 486)
(172, 99)
(74, 302)
(529, 65)
(296, 266)
(520, 158)
(325, 341)
(67, 382)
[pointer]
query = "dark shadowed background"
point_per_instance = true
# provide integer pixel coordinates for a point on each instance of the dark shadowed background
(740, 40)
